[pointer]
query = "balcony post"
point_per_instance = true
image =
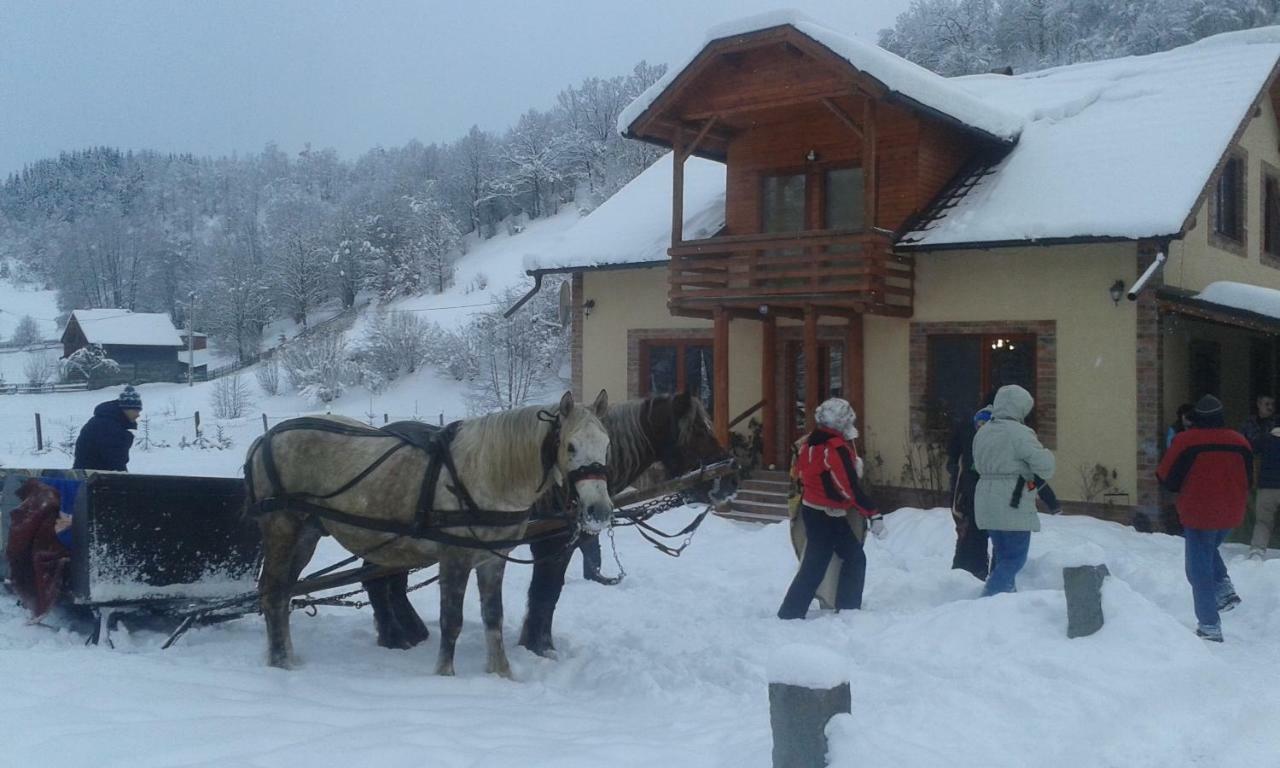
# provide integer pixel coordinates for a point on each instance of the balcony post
(720, 375)
(810, 366)
(769, 388)
(677, 188)
(855, 382)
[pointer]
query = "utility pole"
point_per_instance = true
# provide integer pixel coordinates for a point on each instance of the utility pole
(191, 340)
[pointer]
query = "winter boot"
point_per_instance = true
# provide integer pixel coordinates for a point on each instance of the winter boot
(1228, 602)
(1211, 633)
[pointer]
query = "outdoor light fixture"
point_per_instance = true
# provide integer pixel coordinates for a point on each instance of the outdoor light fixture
(764, 309)
(1117, 292)
(587, 306)
(811, 156)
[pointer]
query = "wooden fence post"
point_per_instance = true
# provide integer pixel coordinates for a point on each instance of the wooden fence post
(39, 435)
(264, 423)
(197, 425)
(807, 687)
(384, 418)
(442, 419)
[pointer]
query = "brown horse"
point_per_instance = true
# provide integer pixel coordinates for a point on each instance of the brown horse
(671, 430)
(501, 464)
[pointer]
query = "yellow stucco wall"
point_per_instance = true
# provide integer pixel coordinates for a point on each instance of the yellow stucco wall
(1096, 385)
(1096, 346)
(637, 298)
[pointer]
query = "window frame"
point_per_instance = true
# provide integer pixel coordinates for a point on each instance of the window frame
(1236, 241)
(681, 346)
(986, 342)
(1269, 216)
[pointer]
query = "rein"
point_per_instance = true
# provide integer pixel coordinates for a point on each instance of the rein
(439, 458)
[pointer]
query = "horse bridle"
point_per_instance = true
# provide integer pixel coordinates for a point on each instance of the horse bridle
(551, 453)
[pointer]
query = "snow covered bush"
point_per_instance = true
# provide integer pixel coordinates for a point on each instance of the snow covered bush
(231, 398)
(38, 368)
(268, 375)
(397, 343)
(26, 333)
(317, 366)
(87, 362)
(513, 357)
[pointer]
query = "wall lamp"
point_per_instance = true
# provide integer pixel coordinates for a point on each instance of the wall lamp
(1117, 292)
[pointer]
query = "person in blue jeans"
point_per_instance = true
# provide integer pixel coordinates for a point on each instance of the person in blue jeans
(1011, 465)
(1210, 467)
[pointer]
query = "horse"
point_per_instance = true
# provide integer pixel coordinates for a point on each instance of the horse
(671, 430)
(495, 467)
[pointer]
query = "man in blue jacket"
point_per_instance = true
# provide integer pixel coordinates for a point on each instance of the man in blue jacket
(105, 439)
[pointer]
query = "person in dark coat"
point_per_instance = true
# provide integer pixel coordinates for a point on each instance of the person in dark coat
(971, 541)
(1210, 467)
(827, 466)
(105, 439)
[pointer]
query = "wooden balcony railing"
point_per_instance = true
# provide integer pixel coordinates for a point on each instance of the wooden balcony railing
(829, 268)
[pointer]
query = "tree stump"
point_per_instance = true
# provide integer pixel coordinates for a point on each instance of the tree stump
(1084, 598)
(807, 687)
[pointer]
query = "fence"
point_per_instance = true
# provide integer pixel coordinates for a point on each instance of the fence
(42, 389)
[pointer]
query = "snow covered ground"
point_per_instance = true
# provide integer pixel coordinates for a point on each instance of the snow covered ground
(669, 668)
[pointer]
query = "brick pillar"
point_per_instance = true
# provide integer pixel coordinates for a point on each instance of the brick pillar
(575, 343)
(1150, 370)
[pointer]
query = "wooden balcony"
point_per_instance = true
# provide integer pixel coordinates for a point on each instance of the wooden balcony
(828, 270)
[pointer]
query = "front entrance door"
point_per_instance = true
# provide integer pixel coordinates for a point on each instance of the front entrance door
(830, 383)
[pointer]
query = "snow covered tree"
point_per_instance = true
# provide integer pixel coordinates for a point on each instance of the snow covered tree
(26, 332)
(298, 232)
(514, 356)
(87, 362)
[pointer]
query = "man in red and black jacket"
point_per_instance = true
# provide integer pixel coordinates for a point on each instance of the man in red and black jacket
(1211, 469)
(827, 467)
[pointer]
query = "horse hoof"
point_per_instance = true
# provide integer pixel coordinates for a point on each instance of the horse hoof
(502, 670)
(280, 661)
(395, 643)
(445, 671)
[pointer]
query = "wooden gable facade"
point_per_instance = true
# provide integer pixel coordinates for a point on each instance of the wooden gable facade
(825, 165)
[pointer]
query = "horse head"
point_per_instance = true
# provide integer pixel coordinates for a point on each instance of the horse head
(690, 443)
(582, 457)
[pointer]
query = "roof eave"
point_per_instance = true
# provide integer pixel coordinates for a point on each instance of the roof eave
(1044, 242)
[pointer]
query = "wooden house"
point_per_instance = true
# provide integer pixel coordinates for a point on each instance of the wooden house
(145, 345)
(1106, 235)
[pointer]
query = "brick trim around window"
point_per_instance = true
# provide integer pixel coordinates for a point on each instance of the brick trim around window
(1046, 333)
(1269, 259)
(1238, 247)
(637, 335)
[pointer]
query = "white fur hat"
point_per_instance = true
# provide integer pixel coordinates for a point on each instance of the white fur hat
(838, 415)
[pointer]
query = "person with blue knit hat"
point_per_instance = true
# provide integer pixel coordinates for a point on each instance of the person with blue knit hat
(105, 440)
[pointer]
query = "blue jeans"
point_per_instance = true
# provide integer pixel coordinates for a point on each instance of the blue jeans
(1008, 555)
(1206, 572)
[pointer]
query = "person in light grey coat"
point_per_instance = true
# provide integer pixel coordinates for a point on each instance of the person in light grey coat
(1011, 464)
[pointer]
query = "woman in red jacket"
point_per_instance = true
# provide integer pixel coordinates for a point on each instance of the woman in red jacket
(1211, 469)
(827, 466)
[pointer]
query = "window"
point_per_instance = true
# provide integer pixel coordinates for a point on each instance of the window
(1228, 208)
(964, 368)
(1271, 214)
(782, 202)
(845, 195)
(678, 365)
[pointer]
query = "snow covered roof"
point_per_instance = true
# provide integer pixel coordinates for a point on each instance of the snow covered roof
(634, 226)
(896, 73)
(121, 326)
(1243, 296)
(201, 357)
(1109, 149)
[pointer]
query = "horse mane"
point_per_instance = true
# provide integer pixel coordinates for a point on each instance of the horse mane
(630, 449)
(696, 416)
(498, 444)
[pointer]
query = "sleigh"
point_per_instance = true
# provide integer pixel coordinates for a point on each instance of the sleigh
(148, 548)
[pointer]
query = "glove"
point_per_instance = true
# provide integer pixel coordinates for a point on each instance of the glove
(877, 526)
(858, 466)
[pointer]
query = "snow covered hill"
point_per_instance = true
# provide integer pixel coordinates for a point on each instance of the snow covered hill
(668, 669)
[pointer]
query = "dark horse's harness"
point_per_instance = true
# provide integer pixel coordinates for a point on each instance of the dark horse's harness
(428, 521)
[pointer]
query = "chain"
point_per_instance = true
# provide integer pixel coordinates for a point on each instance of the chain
(613, 544)
(310, 602)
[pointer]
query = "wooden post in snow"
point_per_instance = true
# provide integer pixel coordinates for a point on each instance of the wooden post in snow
(197, 419)
(39, 435)
(265, 428)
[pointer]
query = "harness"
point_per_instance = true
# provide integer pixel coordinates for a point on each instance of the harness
(427, 521)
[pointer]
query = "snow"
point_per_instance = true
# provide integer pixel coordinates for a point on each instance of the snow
(18, 300)
(1251, 298)
(121, 326)
(634, 226)
(671, 668)
(1118, 148)
(809, 666)
(897, 74)
(196, 357)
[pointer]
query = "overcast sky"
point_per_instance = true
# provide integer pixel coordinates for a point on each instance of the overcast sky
(230, 75)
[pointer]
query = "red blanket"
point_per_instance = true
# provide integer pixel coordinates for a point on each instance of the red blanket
(37, 560)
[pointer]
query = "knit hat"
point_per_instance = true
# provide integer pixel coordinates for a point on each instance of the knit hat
(1208, 406)
(130, 399)
(836, 414)
(982, 416)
